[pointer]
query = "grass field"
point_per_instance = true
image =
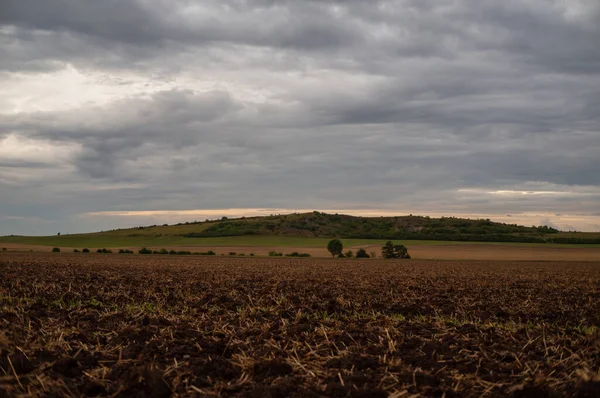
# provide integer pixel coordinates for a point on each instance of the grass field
(115, 241)
(162, 326)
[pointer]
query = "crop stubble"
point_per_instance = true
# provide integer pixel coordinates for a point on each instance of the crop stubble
(160, 326)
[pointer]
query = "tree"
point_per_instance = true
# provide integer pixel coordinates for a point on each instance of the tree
(389, 250)
(349, 254)
(362, 253)
(335, 247)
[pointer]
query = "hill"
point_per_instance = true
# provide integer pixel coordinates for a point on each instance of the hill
(323, 225)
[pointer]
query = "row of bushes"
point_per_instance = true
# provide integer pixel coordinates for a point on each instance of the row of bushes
(144, 250)
(141, 251)
(273, 253)
(389, 250)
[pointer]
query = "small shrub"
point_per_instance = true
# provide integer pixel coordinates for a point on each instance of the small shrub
(86, 250)
(232, 253)
(164, 251)
(349, 254)
(75, 251)
(273, 253)
(184, 253)
(362, 253)
(296, 254)
(56, 250)
(251, 254)
(4, 249)
(125, 251)
(143, 250)
(172, 252)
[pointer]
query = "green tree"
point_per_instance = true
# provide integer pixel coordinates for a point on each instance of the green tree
(389, 250)
(335, 247)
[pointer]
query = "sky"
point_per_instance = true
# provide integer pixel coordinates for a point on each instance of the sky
(125, 113)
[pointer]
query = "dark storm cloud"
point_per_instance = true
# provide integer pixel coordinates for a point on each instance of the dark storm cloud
(383, 104)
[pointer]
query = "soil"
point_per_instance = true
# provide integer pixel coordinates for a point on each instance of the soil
(161, 326)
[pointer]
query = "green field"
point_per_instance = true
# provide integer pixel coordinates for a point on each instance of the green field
(115, 241)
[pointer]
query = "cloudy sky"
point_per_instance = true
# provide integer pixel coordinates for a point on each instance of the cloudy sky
(120, 113)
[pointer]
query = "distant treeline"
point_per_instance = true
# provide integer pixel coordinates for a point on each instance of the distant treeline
(324, 225)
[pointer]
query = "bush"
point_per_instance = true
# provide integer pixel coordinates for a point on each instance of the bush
(232, 253)
(103, 251)
(273, 253)
(172, 251)
(56, 250)
(163, 251)
(86, 250)
(125, 251)
(349, 254)
(75, 251)
(296, 254)
(4, 249)
(251, 254)
(335, 247)
(184, 253)
(208, 253)
(389, 250)
(362, 253)
(143, 250)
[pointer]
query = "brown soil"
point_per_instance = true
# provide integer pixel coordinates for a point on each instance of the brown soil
(160, 326)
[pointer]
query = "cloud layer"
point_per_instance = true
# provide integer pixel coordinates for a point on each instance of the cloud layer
(466, 107)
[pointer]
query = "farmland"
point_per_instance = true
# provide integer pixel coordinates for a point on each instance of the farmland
(159, 326)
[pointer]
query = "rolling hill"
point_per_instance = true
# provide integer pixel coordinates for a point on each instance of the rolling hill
(303, 226)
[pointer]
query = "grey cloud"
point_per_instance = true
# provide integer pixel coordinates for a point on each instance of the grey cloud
(386, 104)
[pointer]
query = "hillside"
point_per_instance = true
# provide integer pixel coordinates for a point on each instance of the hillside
(323, 225)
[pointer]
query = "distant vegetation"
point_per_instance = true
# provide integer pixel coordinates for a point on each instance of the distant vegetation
(390, 250)
(300, 229)
(411, 227)
(335, 247)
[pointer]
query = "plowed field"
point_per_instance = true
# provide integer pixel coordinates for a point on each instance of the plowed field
(131, 325)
